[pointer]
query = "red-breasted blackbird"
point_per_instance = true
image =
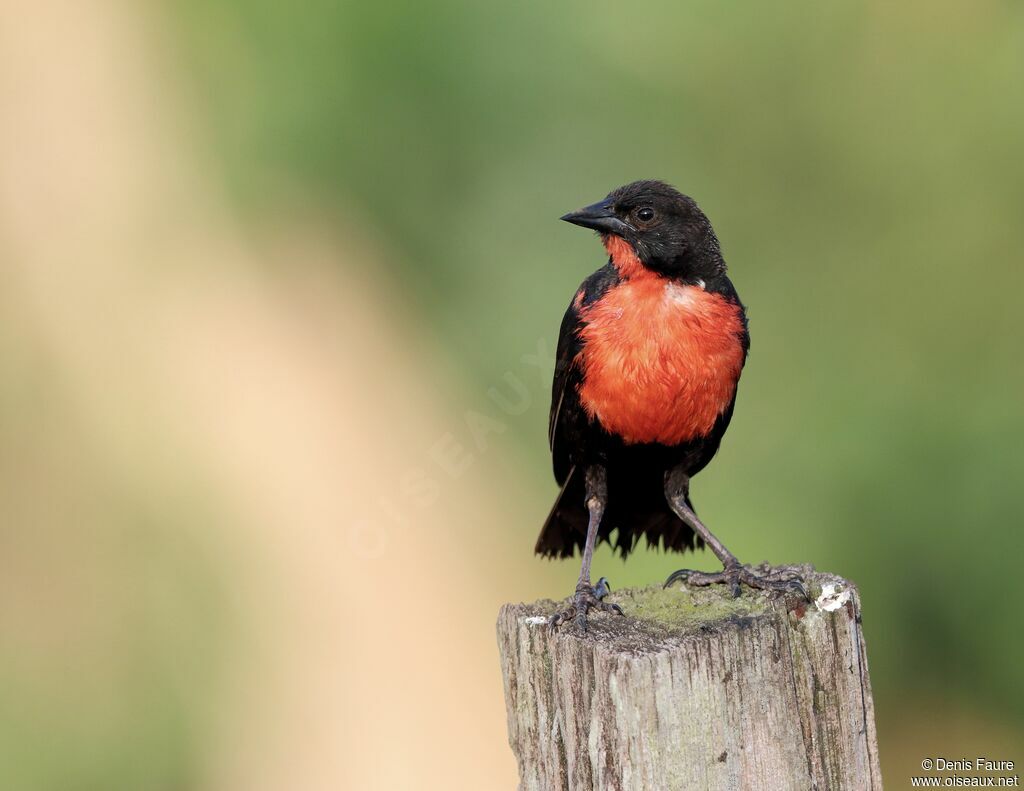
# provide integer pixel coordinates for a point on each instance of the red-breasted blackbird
(649, 356)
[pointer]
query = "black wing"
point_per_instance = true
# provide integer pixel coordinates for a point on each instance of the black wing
(566, 412)
(561, 389)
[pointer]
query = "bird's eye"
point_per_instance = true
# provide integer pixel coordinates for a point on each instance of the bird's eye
(644, 214)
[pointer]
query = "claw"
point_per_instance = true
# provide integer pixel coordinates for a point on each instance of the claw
(762, 577)
(798, 586)
(586, 598)
(559, 618)
(675, 576)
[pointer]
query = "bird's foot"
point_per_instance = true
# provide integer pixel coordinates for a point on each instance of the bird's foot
(587, 597)
(764, 577)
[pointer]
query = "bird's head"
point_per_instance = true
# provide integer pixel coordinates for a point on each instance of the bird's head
(648, 225)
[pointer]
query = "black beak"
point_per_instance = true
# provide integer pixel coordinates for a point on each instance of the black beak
(599, 216)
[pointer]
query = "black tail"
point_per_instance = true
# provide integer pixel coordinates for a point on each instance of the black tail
(636, 507)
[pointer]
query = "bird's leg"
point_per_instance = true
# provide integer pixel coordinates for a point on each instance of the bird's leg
(587, 596)
(677, 487)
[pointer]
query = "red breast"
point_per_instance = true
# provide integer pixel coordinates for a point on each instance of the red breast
(660, 359)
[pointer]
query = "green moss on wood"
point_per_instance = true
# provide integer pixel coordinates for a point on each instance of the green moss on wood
(682, 609)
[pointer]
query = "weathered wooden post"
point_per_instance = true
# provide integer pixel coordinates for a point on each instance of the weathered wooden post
(694, 690)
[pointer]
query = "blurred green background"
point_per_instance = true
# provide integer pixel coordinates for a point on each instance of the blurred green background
(862, 165)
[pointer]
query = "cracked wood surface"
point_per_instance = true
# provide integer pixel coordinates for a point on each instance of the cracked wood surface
(693, 690)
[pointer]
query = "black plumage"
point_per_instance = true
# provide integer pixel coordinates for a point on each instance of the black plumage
(636, 498)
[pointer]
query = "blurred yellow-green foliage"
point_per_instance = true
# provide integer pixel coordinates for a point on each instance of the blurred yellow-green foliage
(363, 246)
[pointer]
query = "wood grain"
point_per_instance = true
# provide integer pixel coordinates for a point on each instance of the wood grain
(694, 690)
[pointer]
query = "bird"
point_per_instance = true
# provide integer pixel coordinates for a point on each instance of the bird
(648, 362)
